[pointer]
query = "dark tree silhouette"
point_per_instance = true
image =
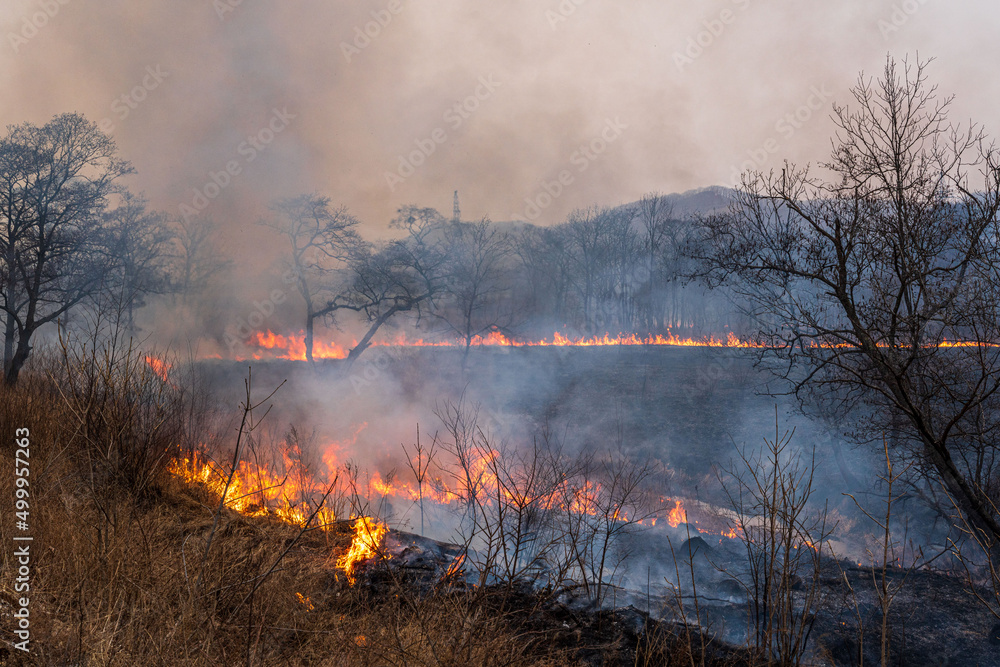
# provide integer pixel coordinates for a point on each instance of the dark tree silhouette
(475, 296)
(195, 256)
(321, 240)
(55, 182)
(859, 281)
(400, 276)
(139, 241)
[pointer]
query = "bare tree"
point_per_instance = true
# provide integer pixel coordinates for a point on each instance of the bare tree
(866, 281)
(667, 299)
(140, 240)
(512, 499)
(396, 277)
(783, 539)
(420, 465)
(606, 502)
(55, 181)
(655, 213)
(584, 241)
(195, 254)
(621, 275)
(542, 285)
(475, 295)
(321, 239)
(888, 552)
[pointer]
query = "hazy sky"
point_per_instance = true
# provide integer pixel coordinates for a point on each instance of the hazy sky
(684, 93)
(557, 72)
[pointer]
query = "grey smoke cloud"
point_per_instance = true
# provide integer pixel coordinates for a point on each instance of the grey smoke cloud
(566, 66)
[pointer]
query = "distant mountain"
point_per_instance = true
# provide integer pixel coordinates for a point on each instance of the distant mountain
(700, 201)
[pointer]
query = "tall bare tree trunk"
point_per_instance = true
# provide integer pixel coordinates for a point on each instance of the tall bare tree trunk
(13, 370)
(310, 318)
(8, 342)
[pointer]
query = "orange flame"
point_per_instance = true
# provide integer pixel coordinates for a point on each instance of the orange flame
(255, 490)
(455, 568)
(305, 601)
(292, 347)
(677, 515)
(159, 366)
(368, 542)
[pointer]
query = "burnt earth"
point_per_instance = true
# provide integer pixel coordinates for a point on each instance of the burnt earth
(933, 621)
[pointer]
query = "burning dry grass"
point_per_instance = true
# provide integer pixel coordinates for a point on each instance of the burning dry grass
(256, 490)
(293, 347)
(124, 593)
(123, 573)
(117, 583)
(268, 345)
(367, 543)
(177, 562)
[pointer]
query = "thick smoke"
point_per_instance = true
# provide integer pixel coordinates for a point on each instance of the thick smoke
(697, 89)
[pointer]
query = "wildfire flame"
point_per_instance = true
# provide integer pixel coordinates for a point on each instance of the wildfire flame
(455, 568)
(368, 542)
(159, 366)
(255, 490)
(305, 601)
(677, 515)
(292, 346)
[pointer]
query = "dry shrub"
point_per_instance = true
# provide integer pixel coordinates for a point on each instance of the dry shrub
(124, 572)
(118, 548)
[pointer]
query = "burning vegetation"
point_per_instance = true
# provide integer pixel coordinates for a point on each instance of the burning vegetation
(293, 347)
(367, 544)
(479, 479)
(254, 490)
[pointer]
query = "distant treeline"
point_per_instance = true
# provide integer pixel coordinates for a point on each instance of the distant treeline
(603, 270)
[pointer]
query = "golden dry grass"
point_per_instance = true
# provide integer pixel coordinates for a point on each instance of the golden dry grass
(120, 575)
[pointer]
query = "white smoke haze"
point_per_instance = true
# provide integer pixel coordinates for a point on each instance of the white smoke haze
(689, 126)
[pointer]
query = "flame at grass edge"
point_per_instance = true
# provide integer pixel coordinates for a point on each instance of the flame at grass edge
(367, 543)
